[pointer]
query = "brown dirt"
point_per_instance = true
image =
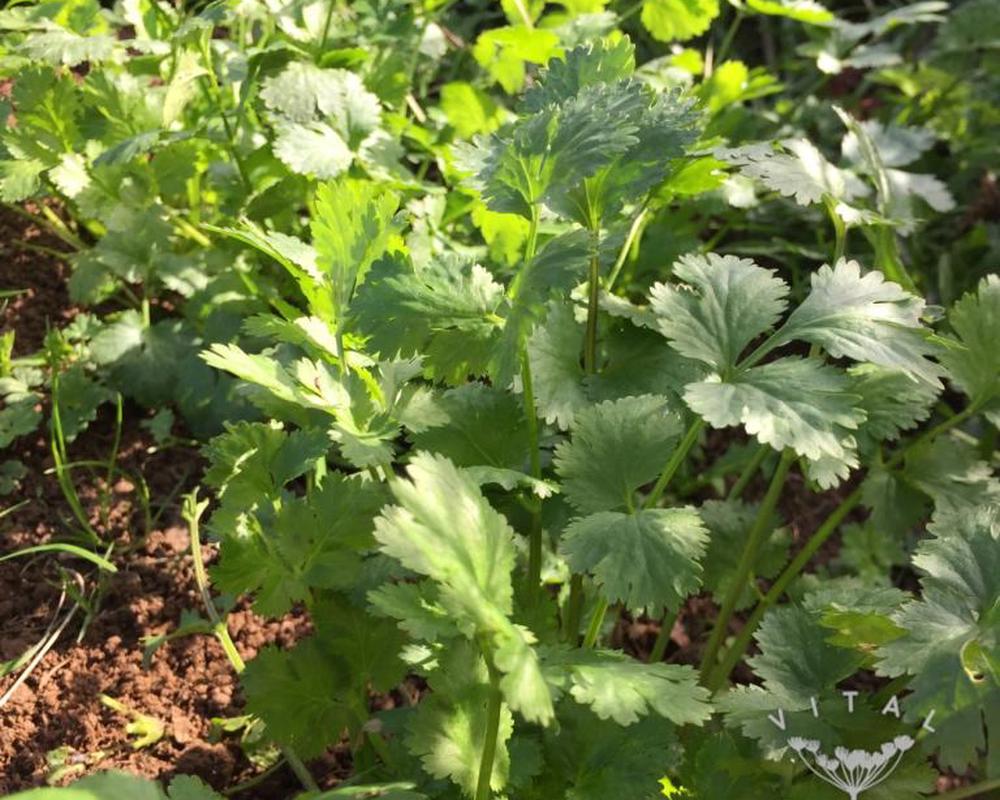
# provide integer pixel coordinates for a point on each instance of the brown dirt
(44, 302)
(188, 681)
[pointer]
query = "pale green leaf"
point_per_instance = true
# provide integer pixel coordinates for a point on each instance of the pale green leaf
(792, 402)
(645, 560)
(730, 303)
(618, 687)
(678, 20)
(863, 317)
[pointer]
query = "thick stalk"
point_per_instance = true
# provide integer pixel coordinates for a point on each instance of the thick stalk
(535, 533)
(839, 231)
(673, 464)
(574, 608)
(594, 286)
(490, 737)
(215, 92)
(596, 623)
(633, 232)
(531, 417)
(663, 637)
(331, 5)
(748, 472)
(756, 538)
(575, 603)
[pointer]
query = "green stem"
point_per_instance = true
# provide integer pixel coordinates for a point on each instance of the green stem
(535, 534)
(633, 232)
(490, 735)
(748, 472)
(61, 229)
(973, 791)
(531, 417)
(727, 42)
(759, 531)
(216, 97)
(574, 608)
(594, 286)
(663, 637)
(839, 231)
(672, 465)
(331, 5)
(739, 647)
(596, 623)
(191, 513)
(720, 673)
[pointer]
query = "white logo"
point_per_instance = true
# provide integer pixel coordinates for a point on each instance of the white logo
(851, 771)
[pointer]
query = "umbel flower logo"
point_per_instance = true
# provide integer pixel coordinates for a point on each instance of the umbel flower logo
(851, 771)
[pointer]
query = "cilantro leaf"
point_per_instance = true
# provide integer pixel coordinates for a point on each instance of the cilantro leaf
(444, 528)
(482, 426)
(733, 301)
(792, 402)
(618, 687)
(799, 171)
(951, 645)
(447, 730)
(617, 446)
(865, 318)
(557, 375)
(645, 560)
(975, 367)
(678, 20)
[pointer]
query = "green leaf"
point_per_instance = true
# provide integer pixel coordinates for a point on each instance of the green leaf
(607, 60)
(557, 376)
(616, 686)
(593, 759)
(792, 402)
(20, 179)
(351, 226)
(79, 398)
(731, 302)
(188, 787)
(892, 402)
(447, 730)
(865, 318)
(796, 662)
(617, 446)
(444, 528)
(62, 47)
(503, 53)
(312, 148)
(482, 426)
(470, 110)
(678, 20)
(645, 560)
(293, 692)
(303, 93)
(102, 786)
(949, 471)
(951, 646)
(975, 367)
